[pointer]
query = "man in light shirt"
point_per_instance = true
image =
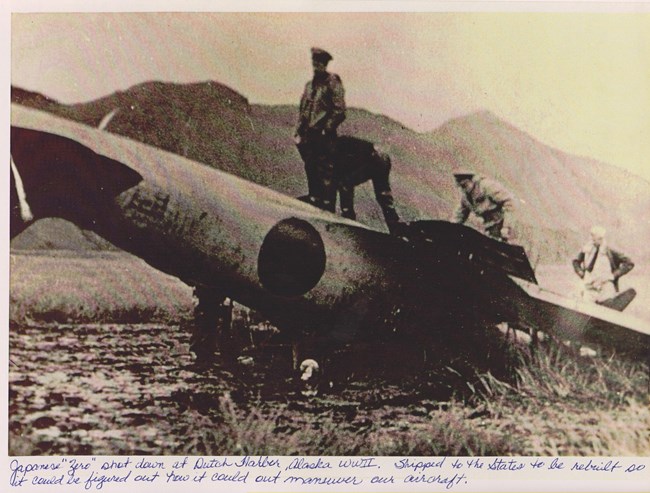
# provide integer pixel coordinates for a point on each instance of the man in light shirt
(600, 267)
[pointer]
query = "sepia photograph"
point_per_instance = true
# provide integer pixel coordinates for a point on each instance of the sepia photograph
(334, 233)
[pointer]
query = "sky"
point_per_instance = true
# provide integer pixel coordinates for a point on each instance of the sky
(576, 80)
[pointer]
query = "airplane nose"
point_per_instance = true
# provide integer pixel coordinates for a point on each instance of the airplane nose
(292, 258)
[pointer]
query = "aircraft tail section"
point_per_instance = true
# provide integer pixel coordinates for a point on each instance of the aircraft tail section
(474, 246)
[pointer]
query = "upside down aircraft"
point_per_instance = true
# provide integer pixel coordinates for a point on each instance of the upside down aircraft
(311, 273)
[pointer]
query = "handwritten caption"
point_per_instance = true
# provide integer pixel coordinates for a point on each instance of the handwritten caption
(443, 473)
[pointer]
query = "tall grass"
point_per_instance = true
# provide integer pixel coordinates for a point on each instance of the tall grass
(558, 405)
(564, 404)
(263, 430)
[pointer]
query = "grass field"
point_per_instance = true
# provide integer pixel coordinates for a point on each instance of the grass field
(99, 364)
(96, 287)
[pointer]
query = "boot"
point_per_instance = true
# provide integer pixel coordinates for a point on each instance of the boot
(309, 199)
(399, 229)
(349, 213)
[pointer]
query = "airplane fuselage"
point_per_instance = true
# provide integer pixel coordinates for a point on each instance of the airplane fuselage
(304, 268)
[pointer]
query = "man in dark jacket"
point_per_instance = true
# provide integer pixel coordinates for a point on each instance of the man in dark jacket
(357, 161)
(322, 110)
(600, 267)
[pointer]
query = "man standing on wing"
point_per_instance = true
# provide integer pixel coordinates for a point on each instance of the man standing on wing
(322, 110)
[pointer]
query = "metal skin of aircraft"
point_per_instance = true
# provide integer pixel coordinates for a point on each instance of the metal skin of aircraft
(311, 273)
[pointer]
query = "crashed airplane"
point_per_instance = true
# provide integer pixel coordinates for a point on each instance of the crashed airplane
(311, 273)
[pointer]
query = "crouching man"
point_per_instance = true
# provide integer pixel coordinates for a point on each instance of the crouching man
(486, 198)
(358, 161)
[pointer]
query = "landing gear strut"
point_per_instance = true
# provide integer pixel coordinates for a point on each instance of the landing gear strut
(212, 324)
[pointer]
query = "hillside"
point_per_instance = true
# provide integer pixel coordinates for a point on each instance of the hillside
(560, 191)
(560, 195)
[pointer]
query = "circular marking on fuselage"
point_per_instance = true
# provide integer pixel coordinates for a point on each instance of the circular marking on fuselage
(292, 258)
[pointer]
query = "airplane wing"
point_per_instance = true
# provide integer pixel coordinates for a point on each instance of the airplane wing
(480, 249)
(583, 322)
(565, 318)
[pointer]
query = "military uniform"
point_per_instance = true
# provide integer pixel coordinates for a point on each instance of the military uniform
(489, 200)
(322, 109)
(358, 161)
(212, 324)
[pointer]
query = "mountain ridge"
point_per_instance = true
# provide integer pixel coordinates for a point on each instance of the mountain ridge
(214, 124)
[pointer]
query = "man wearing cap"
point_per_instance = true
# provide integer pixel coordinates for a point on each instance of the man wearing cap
(600, 267)
(322, 110)
(486, 198)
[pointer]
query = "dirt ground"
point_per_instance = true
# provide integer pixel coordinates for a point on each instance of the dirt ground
(78, 386)
(135, 389)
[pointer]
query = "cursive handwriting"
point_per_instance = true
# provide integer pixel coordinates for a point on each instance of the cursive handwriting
(448, 481)
(98, 481)
(213, 463)
(19, 472)
(506, 465)
(115, 474)
(323, 481)
(303, 463)
(419, 466)
(609, 466)
(360, 463)
(261, 462)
